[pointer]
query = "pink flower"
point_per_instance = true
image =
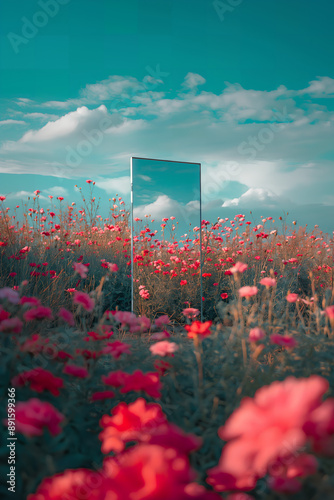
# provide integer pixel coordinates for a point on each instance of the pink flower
(84, 300)
(116, 348)
(143, 323)
(190, 312)
(259, 433)
(268, 282)
(163, 348)
(160, 335)
(125, 318)
(9, 294)
(283, 340)
(80, 269)
(31, 301)
(329, 311)
(66, 316)
(37, 313)
(256, 334)
(292, 297)
(33, 415)
(75, 371)
(162, 320)
(248, 291)
(112, 267)
(239, 267)
(11, 325)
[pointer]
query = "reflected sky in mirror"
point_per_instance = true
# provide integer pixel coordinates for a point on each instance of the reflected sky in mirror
(164, 189)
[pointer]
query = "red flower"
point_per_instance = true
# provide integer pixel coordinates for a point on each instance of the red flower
(40, 380)
(129, 422)
(156, 473)
(147, 382)
(33, 415)
(32, 301)
(76, 371)
(39, 312)
(84, 299)
(115, 379)
(72, 484)
(224, 296)
(161, 366)
(283, 340)
(98, 396)
(62, 355)
(198, 328)
(171, 436)
(3, 314)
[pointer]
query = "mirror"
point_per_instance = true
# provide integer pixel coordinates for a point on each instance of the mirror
(166, 240)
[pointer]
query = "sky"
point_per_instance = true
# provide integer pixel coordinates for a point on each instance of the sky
(245, 88)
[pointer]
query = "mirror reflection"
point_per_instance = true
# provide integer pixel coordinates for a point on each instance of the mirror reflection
(165, 237)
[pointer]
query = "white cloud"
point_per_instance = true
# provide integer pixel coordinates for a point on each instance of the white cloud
(145, 178)
(193, 80)
(12, 122)
(24, 194)
(66, 125)
(164, 206)
(42, 116)
(23, 101)
(256, 198)
(57, 191)
(322, 87)
(115, 185)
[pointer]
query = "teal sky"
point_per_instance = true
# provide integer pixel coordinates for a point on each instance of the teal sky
(245, 90)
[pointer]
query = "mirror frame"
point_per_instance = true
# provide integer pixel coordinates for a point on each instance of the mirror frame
(200, 222)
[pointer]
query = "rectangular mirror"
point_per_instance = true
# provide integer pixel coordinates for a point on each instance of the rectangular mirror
(166, 240)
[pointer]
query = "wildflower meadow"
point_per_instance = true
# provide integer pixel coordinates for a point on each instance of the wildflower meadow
(157, 404)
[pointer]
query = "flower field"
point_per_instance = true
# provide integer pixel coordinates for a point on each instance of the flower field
(157, 405)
